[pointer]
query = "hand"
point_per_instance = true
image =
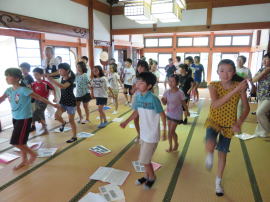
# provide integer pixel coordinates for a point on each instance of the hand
(57, 106)
(164, 136)
(123, 124)
(189, 91)
(236, 128)
(54, 100)
(242, 86)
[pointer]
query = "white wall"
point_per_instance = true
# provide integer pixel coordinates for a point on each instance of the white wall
(241, 14)
(101, 26)
(264, 39)
(61, 11)
(121, 37)
(59, 37)
(137, 38)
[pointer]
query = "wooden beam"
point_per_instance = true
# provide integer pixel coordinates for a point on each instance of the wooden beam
(91, 35)
(62, 43)
(198, 28)
(209, 15)
(20, 34)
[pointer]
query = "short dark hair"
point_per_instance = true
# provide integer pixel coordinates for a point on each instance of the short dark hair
(83, 67)
(267, 55)
(184, 66)
(14, 72)
(101, 73)
(25, 65)
(190, 59)
(85, 58)
(170, 59)
(64, 66)
(129, 60)
(176, 77)
(148, 77)
(197, 57)
(144, 64)
(243, 58)
(114, 67)
(178, 58)
(230, 62)
(38, 70)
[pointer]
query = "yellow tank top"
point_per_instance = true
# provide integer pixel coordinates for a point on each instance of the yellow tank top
(222, 118)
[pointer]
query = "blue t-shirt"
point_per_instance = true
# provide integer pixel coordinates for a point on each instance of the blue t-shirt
(147, 101)
(198, 69)
(20, 102)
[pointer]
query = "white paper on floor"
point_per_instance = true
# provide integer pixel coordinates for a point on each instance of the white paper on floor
(117, 120)
(2, 140)
(245, 136)
(84, 135)
(193, 114)
(112, 192)
(99, 150)
(57, 130)
(93, 197)
(107, 117)
(46, 152)
(32, 145)
(110, 175)
(139, 168)
(7, 157)
(131, 125)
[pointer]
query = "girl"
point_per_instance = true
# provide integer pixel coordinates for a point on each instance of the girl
(99, 86)
(175, 100)
(222, 119)
(82, 92)
(154, 70)
(20, 100)
(142, 66)
(113, 81)
(67, 99)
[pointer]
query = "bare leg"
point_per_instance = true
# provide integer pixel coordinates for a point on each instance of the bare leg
(24, 157)
(221, 163)
(78, 104)
(86, 109)
(149, 171)
(116, 101)
(174, 135)
(72, 124)
(58, 115)
(169, 136)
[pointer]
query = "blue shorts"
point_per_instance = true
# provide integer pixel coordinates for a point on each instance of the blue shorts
(223, 143)
(69, 109)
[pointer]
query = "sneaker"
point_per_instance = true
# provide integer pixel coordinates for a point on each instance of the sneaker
(219, 190)
(126, 103)
(137, 139)
(33, 128)
(148, 184)
(73, 139)
(85, 121)
(62, 127)
(100, 125)
(185, 121)
(115, 112)
(105, 123)
(79, 121)
(209, 161)
(140, 181)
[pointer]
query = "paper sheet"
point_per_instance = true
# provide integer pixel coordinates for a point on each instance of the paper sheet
(7, 157)
(107, 117)
(110, 175)
(92, 197)
(193, 114)
(131, 125)
(99, 150)
(58, 131)
(139, 168)
(46, 152)
(117, 120)
(2, 140)
(245, 136)
(106, 107)
(32, 145)
(84, 135)
(112, 192)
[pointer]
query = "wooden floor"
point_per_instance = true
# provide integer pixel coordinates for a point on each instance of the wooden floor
(182, 177)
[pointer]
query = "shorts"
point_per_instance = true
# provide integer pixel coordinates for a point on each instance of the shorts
(101, 100)
(115, 92)
(198, 81)
(39, 112)
(223, 143)
(146, 152)
(86, 98)
(69, 109)
(175, 120)
(21, 131)
(129, 87)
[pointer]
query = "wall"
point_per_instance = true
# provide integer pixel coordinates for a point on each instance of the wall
(61, 11)
(101, 26)
(59, 37)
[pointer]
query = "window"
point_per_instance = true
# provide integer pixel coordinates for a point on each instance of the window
(244, 40)
(151, 42)
(200, 41)
(241, 40)
(165, 42)
(67, 55)
(154, 56)
(185, 41)
(223, 40)
(28, 51)
(163, 59)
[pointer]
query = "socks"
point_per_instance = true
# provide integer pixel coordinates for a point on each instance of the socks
(219, 189)
(209, 161)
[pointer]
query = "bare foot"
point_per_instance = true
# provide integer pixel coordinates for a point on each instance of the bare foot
(32, 158)
(22, 164)
(175, 148)
(169, 150)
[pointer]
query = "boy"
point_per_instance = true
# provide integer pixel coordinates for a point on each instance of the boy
(128, 75)
(148, 107)
(42, 88)
(27, 78)
(170, 70)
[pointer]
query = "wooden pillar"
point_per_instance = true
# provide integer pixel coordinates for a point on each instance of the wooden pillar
(91, 35)
(174, 45)
(210, 57)
(42, 45)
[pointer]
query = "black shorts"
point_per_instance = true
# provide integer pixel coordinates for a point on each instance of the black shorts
(129, 88)
(174, 120)
(21, 131)
(39, 113)
(101, 101)
(86, 98)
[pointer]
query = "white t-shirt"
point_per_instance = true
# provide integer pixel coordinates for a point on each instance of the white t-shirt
(113, 81)
(129, 73)
(157, 74)
(244, 72)
(100, 87)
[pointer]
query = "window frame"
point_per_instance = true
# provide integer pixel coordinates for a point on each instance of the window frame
(207, 36)
(158, 42)
(231, 45)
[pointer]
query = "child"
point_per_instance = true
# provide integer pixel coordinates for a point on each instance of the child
(129, 74)
(170, 70)
(222, 119)
(175, 100)
(42, 88)
(82, 91)
(186, 85)
(154, 70)
(67, 99)
(99, 87)
(113, 81)
(198, 72)
(20, 101)
(148, 107)
(27, 78)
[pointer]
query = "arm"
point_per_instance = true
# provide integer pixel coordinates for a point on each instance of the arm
(62, 86)
(217, 102)
(42, 99)
(164, 100)
(130, 118)
(203, 74)
(54, 95)
(261, 75)
(163, 119)
(2, 98)
(192, 86)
